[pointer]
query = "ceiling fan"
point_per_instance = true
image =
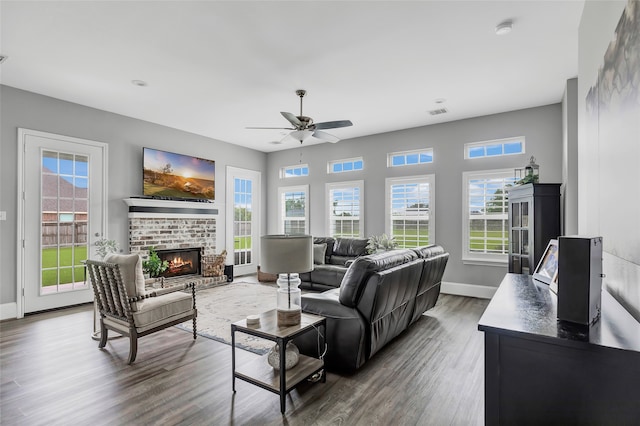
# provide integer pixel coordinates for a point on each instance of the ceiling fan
(304, 127)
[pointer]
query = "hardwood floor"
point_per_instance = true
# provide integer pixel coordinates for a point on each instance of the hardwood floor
(53, 373)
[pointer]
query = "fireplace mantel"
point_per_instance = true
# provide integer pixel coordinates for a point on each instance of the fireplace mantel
(150, 207)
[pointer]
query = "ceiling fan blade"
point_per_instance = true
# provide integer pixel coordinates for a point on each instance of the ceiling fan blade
(276, 128)
(332, 124)
(325, 136)
(292, 119)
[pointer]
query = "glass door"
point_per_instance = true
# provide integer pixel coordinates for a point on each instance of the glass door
(243, 204)
(62, 207)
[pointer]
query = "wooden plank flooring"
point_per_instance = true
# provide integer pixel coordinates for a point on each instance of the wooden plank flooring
(52, 373)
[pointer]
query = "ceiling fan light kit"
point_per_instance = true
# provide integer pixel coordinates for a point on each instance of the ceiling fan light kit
(304, 127)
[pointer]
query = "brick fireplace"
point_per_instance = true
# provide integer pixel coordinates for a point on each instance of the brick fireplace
(172, 226)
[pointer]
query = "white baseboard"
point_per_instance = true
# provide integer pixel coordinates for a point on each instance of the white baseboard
(469, 290)
(8, 311)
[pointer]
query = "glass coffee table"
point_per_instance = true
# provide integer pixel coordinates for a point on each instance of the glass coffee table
(260, 373)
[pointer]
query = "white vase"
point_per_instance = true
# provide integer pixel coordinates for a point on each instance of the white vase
(291, 356)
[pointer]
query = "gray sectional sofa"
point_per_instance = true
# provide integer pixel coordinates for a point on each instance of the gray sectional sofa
(332, 257)
(380, 296)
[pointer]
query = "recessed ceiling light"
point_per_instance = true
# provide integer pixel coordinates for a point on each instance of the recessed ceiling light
(139, 83)
(504, 28)
(276, 142)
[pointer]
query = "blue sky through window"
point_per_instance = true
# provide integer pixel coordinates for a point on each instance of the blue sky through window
(409, 158)
(494, 148)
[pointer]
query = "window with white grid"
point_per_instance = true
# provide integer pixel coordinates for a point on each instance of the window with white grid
(293, 211)
(485, 216)
(346, 165)
(409, 212)
(494, 148)
(294, 171)
(409, 158)
(345, 201)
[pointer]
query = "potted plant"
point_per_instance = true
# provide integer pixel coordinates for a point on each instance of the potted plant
(153, 265)
(379, 243)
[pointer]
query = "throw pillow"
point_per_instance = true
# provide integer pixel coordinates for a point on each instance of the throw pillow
(318, 253)
(131, 271)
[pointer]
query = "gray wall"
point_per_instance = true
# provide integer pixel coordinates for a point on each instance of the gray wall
(609, 148)
(126, 137)
(541, 126)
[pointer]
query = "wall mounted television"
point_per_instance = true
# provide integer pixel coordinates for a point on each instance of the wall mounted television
(169, 175)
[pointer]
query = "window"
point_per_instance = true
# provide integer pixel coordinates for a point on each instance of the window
(294, 171)
(345, 204)
(494, 148)
(348, 165)
(409, 212)
(293, 211)
(409, 158)
(485, 216)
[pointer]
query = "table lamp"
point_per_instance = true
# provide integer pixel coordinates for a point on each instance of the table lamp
(287, 255)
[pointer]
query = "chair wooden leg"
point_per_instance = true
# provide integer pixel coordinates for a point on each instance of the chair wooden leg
(194, 328)
(103, 335)
(133, 346)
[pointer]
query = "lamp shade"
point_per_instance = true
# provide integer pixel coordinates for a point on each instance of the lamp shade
(286, 253)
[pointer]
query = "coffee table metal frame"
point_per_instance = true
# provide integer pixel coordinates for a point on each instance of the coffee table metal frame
(260, 373)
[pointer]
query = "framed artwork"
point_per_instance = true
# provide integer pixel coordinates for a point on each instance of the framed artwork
(547, 269)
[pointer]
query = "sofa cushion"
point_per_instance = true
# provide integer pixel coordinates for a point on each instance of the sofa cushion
(426, 252)
(357, 274)
(157, 309)
(350, 247)
(329, 241)
(318, 253)
(330, 275)
(130, 266)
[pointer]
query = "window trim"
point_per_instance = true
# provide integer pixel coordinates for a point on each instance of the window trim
(297, 188)
(283, 170)
(431, 180)
(329, 186)
(502, 142)
(469, 258)
(390, 155)
(342, 161)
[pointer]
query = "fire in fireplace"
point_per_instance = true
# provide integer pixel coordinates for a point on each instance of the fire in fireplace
(181, 261)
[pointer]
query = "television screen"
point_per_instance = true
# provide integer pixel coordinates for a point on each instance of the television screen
(178, 176)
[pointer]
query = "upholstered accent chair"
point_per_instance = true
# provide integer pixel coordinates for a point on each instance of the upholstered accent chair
(127, 308)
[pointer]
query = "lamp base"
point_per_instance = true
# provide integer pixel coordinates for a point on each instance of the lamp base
(288, 317)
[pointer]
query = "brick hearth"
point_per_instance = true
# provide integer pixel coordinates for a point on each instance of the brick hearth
(167, 224)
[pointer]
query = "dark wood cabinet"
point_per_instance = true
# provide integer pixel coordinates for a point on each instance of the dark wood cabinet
(534, 219)
(541, 371)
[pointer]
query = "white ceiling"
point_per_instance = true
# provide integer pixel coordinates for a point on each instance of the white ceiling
(214, 68)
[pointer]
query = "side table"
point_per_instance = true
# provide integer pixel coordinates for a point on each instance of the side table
(259, 372)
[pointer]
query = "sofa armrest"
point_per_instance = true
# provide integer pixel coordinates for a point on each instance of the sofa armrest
(327, 305)
(345, 334)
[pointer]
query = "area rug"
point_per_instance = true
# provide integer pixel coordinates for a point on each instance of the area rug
(220, 306)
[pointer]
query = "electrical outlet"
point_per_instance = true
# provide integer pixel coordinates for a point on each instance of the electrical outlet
(3, 215)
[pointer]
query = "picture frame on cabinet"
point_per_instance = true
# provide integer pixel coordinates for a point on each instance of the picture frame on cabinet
(547, 269)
